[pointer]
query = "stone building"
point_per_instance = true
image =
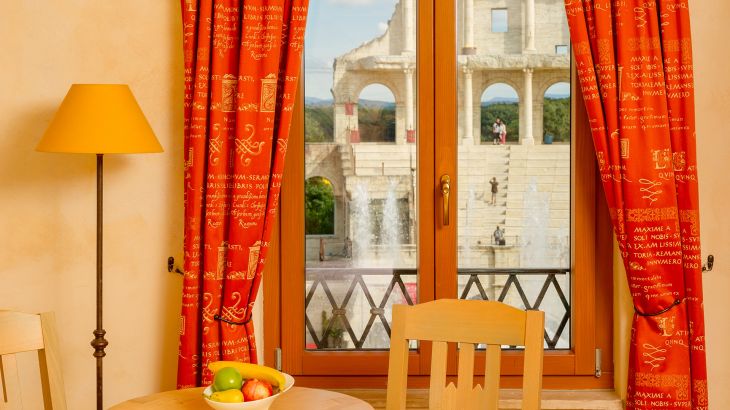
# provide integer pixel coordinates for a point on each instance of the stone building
(500, 42)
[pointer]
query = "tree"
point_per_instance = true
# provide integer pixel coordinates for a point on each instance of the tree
(556, 118)
(376, 124)
(509, 113)
(318, 123)
(319, 207)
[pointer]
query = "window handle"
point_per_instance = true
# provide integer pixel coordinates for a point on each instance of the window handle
(445, 190)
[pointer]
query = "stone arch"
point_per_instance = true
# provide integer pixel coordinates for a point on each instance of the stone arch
(377, 123)
(557, 127)
(349, 86)
(335, 180)
(510, 117)
(547, 80)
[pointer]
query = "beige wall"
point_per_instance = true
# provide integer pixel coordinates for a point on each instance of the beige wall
(710, 29)
(47, 201)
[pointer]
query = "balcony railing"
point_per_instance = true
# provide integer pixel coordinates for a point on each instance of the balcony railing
(352, 306)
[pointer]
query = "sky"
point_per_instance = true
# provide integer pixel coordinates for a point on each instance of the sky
(335, 27)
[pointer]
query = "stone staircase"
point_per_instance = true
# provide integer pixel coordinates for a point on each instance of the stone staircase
(478, 218)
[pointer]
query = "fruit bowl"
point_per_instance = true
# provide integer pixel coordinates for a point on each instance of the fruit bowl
(261, 404)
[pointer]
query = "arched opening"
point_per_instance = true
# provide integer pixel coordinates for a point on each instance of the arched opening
(556, 113)
(319, 206)
(500, 114)
(376, 114)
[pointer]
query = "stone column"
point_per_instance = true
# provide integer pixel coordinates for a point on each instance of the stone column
(468, 137)
(530, 26)
(527, 136)
(410, 103)
(469, 47)
(409, 24)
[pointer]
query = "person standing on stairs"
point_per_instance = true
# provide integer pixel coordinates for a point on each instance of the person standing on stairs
(496, 130)
(495, 189)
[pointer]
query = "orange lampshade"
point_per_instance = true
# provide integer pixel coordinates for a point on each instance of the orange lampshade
(99, 119)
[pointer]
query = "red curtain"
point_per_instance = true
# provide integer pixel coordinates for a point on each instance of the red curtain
(242, 63)
(634, 62)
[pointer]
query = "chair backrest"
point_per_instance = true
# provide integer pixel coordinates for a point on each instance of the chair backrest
(467, 322)
(24, 332)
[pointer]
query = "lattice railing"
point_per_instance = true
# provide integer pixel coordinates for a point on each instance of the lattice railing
(351, 307)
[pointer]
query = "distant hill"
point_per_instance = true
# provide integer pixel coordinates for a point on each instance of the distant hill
(500, 100)
(507, 100)
(316, 102)
(556, 96)
(319, 102)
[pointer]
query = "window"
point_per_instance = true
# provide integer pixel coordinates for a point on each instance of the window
(524, 226)
(499, 21)
(562, 49)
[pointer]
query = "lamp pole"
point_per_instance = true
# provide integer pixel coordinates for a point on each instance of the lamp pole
(99, 343)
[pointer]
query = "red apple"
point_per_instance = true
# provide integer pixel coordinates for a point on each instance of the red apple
(255, 389)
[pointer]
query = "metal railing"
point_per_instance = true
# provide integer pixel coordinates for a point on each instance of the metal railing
(337, 331)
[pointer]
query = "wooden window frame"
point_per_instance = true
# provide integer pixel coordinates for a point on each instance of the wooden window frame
(591, 273)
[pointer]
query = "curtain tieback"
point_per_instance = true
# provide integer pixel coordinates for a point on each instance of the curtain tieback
(230, 322)
(665, 310)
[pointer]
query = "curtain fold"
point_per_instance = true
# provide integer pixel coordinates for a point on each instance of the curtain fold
(242, 62)
(634, 63)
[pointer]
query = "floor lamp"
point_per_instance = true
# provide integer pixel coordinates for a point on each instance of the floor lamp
(99, 119)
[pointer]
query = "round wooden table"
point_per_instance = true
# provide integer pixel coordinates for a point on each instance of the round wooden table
(298, 398)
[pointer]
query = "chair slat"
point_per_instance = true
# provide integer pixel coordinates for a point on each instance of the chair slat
(492, 368)
(450, 396)
(50, 363)
(465, 380)
(398, 362)
(532, 379)
(438, 375)
(11, 383)
(477, 399)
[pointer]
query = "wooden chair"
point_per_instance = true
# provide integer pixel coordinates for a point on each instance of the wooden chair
(467, 322)
(23, 332)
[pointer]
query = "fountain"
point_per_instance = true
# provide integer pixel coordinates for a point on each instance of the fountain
(362, 236)
(536, 219)
(467, 235)
(537, 252)
(390, 228)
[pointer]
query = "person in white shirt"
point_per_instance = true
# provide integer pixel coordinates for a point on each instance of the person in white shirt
(496, 130)
(502, 133)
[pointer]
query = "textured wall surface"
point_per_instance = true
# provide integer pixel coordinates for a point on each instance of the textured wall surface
(48, 200)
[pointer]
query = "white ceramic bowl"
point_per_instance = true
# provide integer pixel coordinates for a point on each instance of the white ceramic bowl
(262, 404)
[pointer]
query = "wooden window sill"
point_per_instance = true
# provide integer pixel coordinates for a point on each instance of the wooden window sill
(510, 399)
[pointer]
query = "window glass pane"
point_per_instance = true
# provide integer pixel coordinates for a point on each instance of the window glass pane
(514, 159)
(499, 20)
(360, 135)
(561, 49)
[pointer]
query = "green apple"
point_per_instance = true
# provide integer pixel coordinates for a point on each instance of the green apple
(227, 378)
